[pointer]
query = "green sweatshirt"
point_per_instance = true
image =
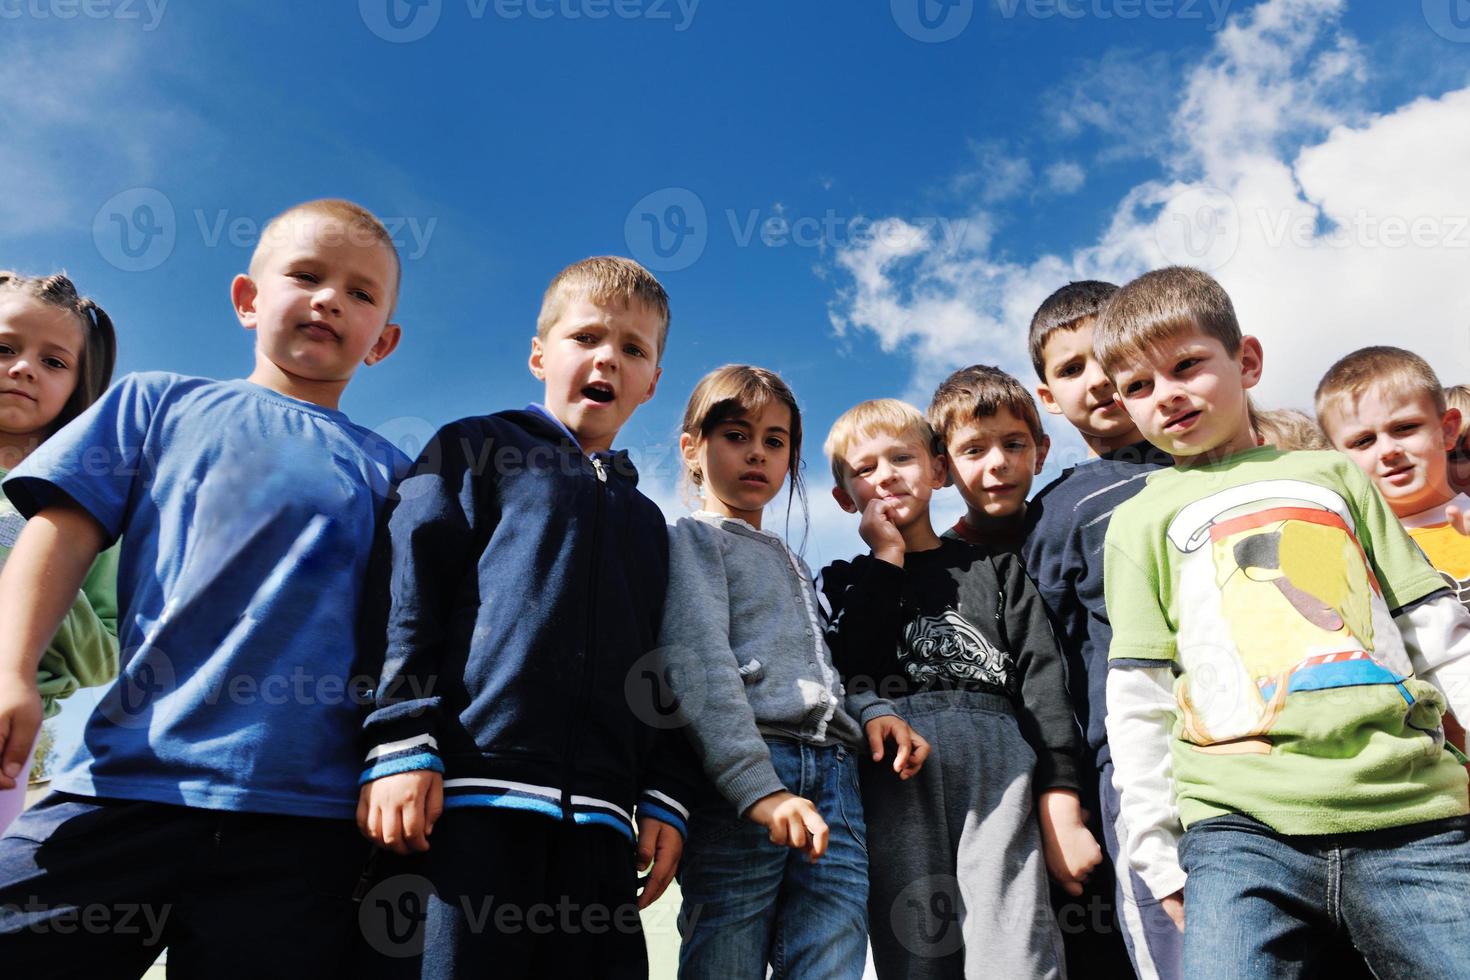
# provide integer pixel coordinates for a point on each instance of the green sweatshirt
(84, 651)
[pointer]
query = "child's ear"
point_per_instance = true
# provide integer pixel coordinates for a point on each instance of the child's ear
(939, 475)
(1252, 359)
(1450, 424)
(652, 385)
(1048, 402)
(844, 499)
(242, 298)
(535, 361)
(387, 343)
(689, 451)
(1042, 448)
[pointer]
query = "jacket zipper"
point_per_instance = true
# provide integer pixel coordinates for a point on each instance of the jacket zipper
(584, 695)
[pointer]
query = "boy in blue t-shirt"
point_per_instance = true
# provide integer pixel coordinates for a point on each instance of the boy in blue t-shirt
(208, 807)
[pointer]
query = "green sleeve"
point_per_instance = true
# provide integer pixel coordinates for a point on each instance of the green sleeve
(1137, 587)
(84, 651)
(1404, 574)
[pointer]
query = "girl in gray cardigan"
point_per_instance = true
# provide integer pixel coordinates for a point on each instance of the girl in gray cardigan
(775, 869)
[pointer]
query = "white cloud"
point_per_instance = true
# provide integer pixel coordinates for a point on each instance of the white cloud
(1300, 201)
(1065, 177)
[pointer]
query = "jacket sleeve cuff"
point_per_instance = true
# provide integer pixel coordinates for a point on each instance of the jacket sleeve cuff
(405, 755)
(661, 806)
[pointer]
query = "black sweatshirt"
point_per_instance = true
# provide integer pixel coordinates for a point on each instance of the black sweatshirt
(955, 617)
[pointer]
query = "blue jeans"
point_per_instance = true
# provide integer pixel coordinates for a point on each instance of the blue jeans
(748, 902)
(1263, 905)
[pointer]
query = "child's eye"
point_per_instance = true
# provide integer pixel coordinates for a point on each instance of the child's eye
(6, 350)
(863, 470)
(584, 338)
(363, 295)
(1134, 387)
(734, 435)
(303, 276)
(55, 363)
(1186, 364)
(1016, 446)
(1069, 370)
(1362, 442)
(634, 351)
(775, 443)
(1408, 427)
(902, 458)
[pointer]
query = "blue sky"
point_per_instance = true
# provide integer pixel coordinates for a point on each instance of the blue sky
(867, 202)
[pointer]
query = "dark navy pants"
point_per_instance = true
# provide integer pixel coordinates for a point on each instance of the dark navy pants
(96, 888)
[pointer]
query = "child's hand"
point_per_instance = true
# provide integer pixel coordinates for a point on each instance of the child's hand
(912, 748)
(1459, 520)
(880, 533)
(399, 811)
(792, 821)
(1070, 850)
(1173, 905)
(20, 720)
(659, 844)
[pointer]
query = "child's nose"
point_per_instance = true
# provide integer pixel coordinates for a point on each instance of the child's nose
(327, 298)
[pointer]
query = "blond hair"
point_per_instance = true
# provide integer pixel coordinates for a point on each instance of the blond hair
(1399, 372)
(980, 391)
(98, 355)
(1158, 306)
(1288, 429)
(362, 227)
(604, 279)
(880, 416)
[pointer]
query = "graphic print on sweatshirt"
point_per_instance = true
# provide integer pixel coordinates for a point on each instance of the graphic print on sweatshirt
(946, 647)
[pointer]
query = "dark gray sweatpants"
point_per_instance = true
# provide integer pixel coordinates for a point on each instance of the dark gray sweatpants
(958, 885)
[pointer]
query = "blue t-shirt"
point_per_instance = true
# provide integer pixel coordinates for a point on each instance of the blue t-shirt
(247, 518)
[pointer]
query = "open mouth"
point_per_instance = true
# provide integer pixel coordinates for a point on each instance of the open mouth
(599, 392)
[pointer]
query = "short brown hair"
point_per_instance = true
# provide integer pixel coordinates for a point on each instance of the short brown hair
(99, 339)
(976, 392)
(1160, 305)
(602, 279)
(1288, 429)
(887, 416)
(357, 219)
(1401, 372)
(1066, 309)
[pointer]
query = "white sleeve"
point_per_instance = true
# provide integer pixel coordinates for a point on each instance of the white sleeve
(1437, 637)
(1141, 713)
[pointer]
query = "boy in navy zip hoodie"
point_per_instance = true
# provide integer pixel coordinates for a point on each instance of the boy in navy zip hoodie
(522, 578)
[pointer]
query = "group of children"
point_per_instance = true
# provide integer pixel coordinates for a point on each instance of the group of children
(1195, 690)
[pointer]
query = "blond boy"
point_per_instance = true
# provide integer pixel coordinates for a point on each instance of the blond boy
(1281, 658)
(212, 791)
(958, 639)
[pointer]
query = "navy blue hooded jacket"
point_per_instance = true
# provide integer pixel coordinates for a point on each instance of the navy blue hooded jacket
(516, 594)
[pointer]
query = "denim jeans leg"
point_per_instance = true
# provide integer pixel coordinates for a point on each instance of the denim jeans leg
(731, 877)
(1406, 899)
(1254, 904)
(822, 927)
